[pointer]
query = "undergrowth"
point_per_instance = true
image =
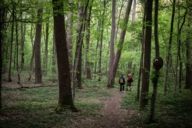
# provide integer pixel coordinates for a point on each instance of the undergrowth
(172, 111)
(35, 107)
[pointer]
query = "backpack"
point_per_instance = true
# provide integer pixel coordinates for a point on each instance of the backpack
(130, 79)
(121, 80)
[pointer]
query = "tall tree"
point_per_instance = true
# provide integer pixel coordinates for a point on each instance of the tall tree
(37, 45)
(156, 67)
(23, 31)
(120, 45)
(168, 58)
(70, 31)
(11, 45)
(88, 32)
(189, 49)
(147, 53)
(65, 91)
(83, 6)
(17, 53)
(46, 45)
(101, 39)
(2, 24)
(134, 10)
(179, 63)
(112, 40)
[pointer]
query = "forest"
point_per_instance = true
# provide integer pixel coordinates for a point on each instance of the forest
(68, 63)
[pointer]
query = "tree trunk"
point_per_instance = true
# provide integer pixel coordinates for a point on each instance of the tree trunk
(120, 45)
(2, 21)
(37, 45)
(134, 11)
(11, 45)
(79, 42)
(112, 40)
(101, 40)
(17, 54)
(70, 33)
(65, 92)
(32, 54)
(157, 55)
(46, 46)
(169, 49)
(147, 54)
(178, 58)
(23, 31)
(87, 63)
(189, 51)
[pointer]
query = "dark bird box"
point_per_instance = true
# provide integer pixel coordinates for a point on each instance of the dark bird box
(158, 63)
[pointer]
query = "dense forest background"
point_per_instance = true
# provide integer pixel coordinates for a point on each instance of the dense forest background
(74, 45)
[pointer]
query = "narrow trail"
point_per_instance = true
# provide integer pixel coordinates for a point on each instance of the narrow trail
(112, 115)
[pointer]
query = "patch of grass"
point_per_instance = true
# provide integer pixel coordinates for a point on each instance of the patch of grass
(35, 107)
(172, 110)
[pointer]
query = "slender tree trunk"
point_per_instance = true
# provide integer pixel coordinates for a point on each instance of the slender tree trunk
(11, 48)
(120, 13)
(37, 45)
(169, 49)
(120, 45)
(179, 59)
(87, 63)
(112, 40)
(70, 33)
(147, 54)
(134, 11)
(2, 21)
(32, 54)
(189, 50)
(157, 55)
(46, 46)
(17, 54)
(79, 42)
(23, 31)
(97, 46)
(101, 40)
(65, 91)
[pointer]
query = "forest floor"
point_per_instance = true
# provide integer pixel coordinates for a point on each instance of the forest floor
(112, 114)
(33, 105)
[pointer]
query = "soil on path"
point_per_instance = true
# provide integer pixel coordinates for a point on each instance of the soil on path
(112, 114)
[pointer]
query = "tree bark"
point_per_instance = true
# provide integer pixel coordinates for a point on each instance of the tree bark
(70, 33)
(87, 63)
(46, 46)
(112, 40)
(101, 40)
(134, 11)
(189, 50)
(79, 42)
(2, 24)
(120, 45)
(65, 91)
(169, 49)
(23, 31)
(37, 45)
(17, 54)
(11, 45)
(147, 54)
(178, 57)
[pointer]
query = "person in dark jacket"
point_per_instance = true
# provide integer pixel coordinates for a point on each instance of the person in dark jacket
(122, 82)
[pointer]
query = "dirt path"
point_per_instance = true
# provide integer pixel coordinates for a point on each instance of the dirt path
(112, 115)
